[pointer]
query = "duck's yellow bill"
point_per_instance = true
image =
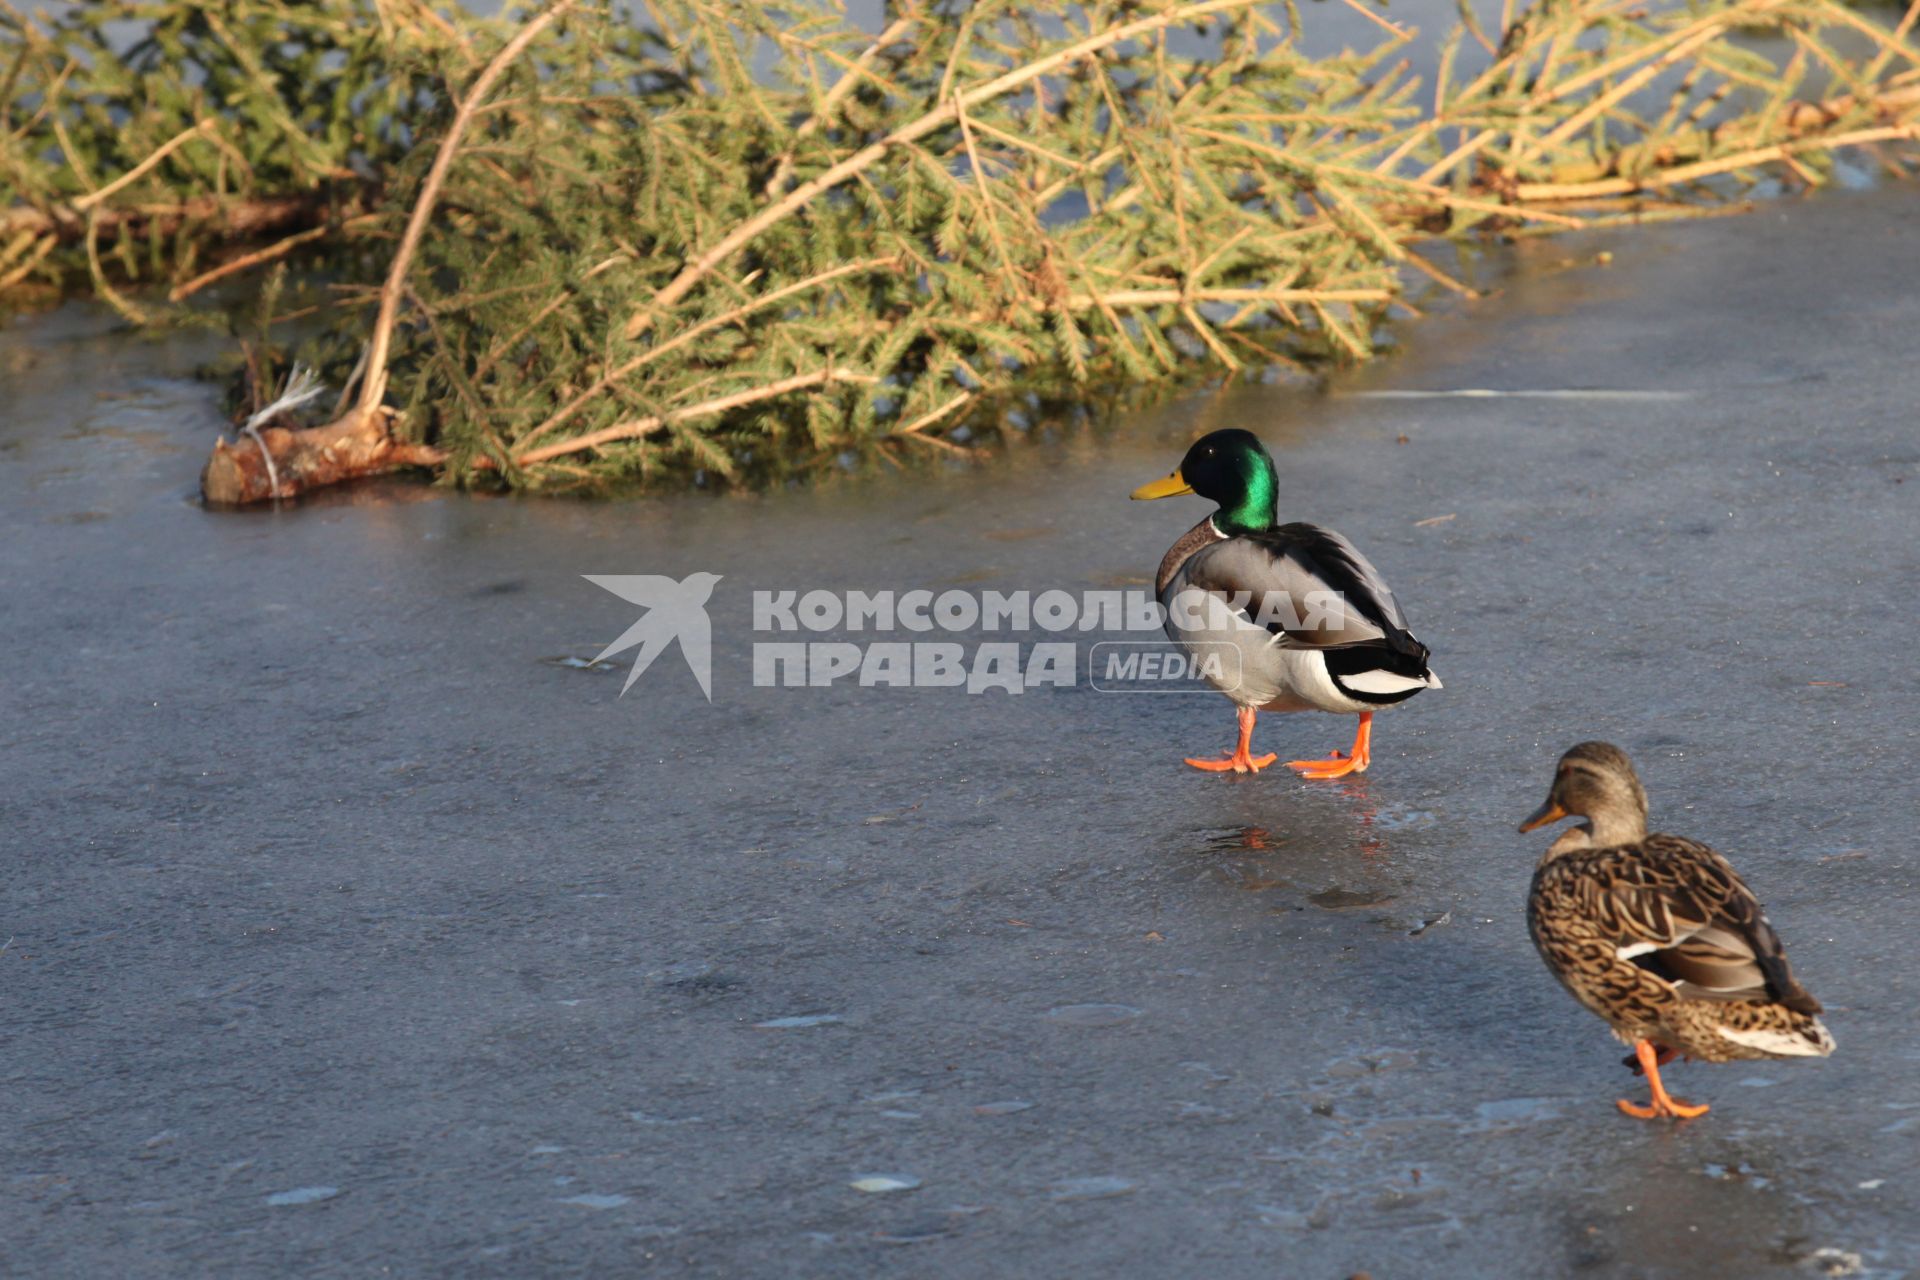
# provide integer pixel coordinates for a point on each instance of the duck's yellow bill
(1172, 487)
(1549, 812)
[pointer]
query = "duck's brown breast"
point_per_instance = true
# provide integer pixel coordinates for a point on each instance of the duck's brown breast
(1201, 535)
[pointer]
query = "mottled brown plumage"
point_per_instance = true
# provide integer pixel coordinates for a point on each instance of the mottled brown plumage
(1657, 934)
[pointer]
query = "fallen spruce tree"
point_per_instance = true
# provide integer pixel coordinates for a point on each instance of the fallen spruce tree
(711, 236)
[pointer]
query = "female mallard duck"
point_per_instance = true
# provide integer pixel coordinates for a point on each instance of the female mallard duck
(1307, 623)
(1659, 935)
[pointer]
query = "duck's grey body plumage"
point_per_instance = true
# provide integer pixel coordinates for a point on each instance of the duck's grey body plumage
(1314, 625)
(1279, 617)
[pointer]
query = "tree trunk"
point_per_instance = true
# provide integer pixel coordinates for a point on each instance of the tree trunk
(238, 219)
(359, 444)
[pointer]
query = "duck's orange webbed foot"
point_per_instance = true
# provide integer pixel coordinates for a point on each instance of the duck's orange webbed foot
(1339, 764)
(1238, 762)
(1668, 1107)
(1242, 759)
(1663, 1104)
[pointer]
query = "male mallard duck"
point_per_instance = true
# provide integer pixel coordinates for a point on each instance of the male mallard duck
(1314, 626)
(1659, 935)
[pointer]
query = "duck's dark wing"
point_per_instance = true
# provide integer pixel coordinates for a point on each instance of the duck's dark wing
(1307, 585)
(1678, 910)
(1309, 588)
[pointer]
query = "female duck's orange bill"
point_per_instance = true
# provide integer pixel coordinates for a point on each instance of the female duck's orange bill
(1546, 813)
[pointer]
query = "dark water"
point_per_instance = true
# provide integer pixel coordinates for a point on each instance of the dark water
(349, 932)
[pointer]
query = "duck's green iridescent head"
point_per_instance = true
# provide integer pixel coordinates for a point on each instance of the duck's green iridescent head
(1232, 468)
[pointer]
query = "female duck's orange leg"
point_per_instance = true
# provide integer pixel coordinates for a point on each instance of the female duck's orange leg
(1338, 765)
(1241, 761)
(1661, 1057)
(1663, 1105)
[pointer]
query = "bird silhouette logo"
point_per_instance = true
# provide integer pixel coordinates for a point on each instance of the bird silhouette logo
(674, 611)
